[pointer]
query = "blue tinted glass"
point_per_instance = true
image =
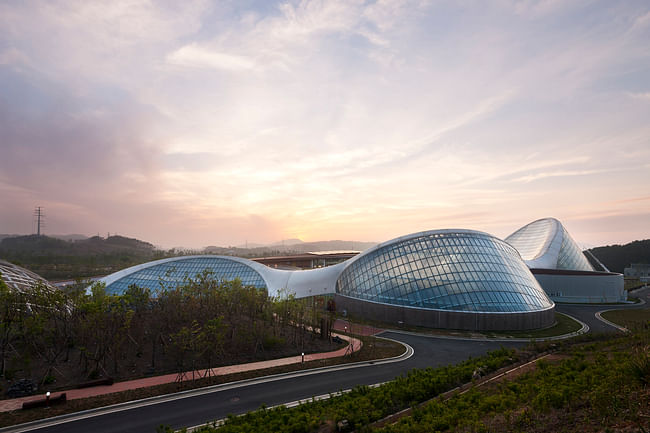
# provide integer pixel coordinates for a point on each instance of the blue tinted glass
(174, 272)
(448, 271)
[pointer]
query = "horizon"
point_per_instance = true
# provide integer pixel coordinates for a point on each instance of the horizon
(202, 123)
(254, 245)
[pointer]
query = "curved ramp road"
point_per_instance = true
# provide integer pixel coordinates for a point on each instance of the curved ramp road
(587, 313)
(193, 410)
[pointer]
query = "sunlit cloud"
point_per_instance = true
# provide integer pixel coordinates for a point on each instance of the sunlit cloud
(566, 173)
(194, 56)
(643, 96)
(202, 122)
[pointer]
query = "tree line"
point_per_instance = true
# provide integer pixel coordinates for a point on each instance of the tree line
(50, 334)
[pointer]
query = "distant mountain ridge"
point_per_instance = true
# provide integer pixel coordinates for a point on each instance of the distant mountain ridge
(297, 248)
(618, 257)
(43, 245)
(54, 258)
(71, 237)
(71, 256)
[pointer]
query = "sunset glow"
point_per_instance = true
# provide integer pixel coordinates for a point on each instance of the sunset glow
(202, 123)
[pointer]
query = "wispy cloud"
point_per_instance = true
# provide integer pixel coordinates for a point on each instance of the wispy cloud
(198, 57)
(565, 173)
(641, 95)
(337, 119)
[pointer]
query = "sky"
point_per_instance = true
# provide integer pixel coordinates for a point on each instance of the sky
(200, 123)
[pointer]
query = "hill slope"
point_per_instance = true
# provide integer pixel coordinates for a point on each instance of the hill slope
(58, 259)
(618, 257)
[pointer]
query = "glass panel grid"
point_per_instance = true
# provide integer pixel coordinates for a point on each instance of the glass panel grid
(172, 273)
(472, 272)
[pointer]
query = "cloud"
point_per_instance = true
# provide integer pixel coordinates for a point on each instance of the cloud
(192, 162)
(561, 173)
(217, 122)
(645, 96)
(13, 56)
(194, 56)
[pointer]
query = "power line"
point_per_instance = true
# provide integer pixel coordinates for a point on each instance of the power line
(40, 217)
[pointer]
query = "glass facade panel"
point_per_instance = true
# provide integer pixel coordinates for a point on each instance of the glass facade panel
(171, 273)
(462, 271)
(570, 256)
(535, 240)
(20, 279)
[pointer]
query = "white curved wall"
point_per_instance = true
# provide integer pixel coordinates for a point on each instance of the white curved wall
(301, 283)
(583, 288)
(546, 244)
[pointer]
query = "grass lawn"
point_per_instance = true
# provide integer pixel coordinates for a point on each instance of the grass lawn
(596, 384)
(631, 319)
(563, 325)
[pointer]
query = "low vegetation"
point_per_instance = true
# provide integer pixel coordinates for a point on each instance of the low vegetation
(632, 319)
(364, 404)
(618, 257)
(597, 387)
(633, 283)
(58, 339)
(373, 348)
(563, 325)
(57, 259)
(593, 383)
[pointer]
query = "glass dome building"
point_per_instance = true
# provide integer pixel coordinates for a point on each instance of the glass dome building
(167, 273)
(20, 279)
(560, 267)
(546, 244)
(460, 279)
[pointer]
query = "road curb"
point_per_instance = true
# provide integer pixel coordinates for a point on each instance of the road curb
(89, 413)
(584, 329)
(623, 329)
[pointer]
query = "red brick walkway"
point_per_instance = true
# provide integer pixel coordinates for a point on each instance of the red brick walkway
(355, 328)
(17, 403)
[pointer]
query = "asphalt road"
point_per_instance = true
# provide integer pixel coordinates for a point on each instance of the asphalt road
(190, 411)
(196, 410)
(587, 313)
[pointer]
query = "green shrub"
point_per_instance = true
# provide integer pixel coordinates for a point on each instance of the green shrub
(640, 366)
(364, 405)
(271, 342)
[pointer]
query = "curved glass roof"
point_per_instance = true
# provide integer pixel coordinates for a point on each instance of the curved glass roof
(168, 273)
(533, 240)
(546, 244)
(20, 279)
(571, 256)
(454, 270)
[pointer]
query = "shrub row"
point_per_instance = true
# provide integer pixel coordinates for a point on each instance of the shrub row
(602, 384)
(363, 404)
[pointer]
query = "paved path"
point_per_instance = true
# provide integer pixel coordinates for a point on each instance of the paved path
(587, 313)
(72, 394)
(355, 328)
(179, 411)
(190, 410)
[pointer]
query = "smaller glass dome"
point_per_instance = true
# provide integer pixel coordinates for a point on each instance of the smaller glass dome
(168, 273)
(20, 279)
(546, 244)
